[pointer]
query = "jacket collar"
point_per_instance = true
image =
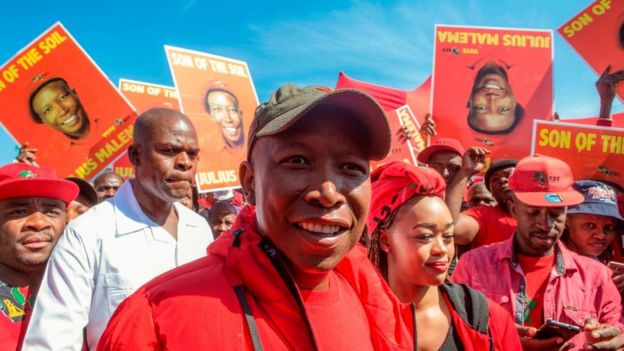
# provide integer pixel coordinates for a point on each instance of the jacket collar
(130, 218)
(564, 262)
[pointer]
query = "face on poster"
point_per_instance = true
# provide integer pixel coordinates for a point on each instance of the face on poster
(143, 96)
(53, 96)
(218, 95)
(592, 152)
(489, 84)
(597, 34)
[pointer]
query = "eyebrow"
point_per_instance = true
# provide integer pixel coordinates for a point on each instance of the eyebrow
(431, 226)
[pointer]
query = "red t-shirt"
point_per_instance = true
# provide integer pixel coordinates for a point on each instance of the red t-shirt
(331, 310)
(494, 225)
(14, 306)
(536, 271)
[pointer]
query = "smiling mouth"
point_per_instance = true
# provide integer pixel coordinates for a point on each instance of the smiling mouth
(70, 120)
(320, 229)
(492, 85)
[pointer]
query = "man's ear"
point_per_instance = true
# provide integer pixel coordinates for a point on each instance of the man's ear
(133, 155)
(246, 176)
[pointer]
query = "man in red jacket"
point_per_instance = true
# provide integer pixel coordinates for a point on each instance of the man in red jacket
(288, 276)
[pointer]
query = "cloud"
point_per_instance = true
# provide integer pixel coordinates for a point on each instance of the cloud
(387, 45)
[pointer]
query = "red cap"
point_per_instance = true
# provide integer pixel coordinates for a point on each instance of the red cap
(395, 183)
(544, 181)
(24, 180)
(442, 144)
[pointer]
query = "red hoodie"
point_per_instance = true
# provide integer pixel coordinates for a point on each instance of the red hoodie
(195, 306)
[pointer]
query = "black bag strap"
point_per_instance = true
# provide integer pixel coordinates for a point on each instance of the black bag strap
(242, 299)
(278, 263)
(249, 318)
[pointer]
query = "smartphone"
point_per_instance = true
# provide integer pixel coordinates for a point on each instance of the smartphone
(616, 267)
(552, 328)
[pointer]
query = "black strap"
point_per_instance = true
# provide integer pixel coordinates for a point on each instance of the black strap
(278, 263)
(251, 323)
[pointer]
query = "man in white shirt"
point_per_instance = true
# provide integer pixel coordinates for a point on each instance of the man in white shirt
(120, 244)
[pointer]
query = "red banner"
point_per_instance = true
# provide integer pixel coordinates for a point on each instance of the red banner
(404, 109)
(592, 152)
(597, 34)
(218, 95)
(489, 84)
(55, 97)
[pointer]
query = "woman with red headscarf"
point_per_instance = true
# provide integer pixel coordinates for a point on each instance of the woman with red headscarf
(411, 243)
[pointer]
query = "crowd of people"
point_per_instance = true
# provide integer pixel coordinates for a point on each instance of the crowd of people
(315, 251)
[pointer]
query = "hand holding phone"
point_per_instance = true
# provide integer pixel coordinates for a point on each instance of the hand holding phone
(552, 328)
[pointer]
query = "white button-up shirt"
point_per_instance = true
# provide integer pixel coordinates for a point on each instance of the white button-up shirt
(102, 257)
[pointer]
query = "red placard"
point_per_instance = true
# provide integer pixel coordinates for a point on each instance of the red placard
(55, 97)
(144, 96)
(406, 151)
(489, 84)
(597, 34)
(592, 152)
(209, 87)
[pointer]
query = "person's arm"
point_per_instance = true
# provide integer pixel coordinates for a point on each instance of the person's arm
(503, 330)
(473, 162)
(61, 309)
(606, 85)
(131, 327)
(466, 229)
(610, 311)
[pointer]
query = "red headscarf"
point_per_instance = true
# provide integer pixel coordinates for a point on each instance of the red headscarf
(395, 183)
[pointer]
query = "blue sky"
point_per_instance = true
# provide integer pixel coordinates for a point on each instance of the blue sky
(306, 42)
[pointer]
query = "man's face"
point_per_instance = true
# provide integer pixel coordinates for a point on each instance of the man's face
(538, 228)
(167, 160)
(77, 207)
(221, 221)
(29, 229)
(107, 185)
(225, 111)
(311, 187)
(447, 163)
(58, 106)
(499, 184)
(479, 196)
(187, 200)
(492, 103)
